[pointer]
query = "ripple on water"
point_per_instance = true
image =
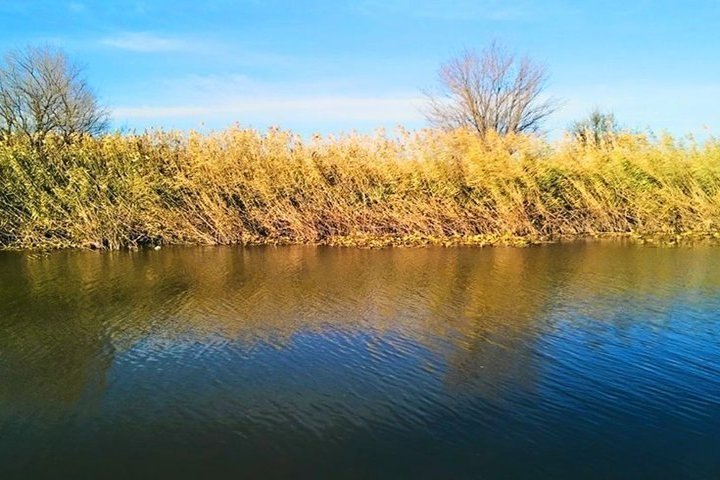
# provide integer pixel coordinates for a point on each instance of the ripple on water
(584, 360)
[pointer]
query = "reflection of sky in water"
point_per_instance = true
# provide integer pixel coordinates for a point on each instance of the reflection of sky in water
(577, 360)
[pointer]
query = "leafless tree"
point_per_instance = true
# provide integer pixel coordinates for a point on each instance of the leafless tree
(42, 92)
(491, 91)
(597, 129)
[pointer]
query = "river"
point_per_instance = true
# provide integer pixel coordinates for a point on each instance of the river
(579, 360)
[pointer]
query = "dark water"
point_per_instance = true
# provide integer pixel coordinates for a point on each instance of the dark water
(572, 361)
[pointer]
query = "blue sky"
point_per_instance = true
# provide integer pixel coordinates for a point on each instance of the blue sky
(333, 66)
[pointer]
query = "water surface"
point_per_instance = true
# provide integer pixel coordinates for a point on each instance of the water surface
(569, 361)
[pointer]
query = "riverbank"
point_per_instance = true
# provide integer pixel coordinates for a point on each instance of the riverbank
(247, 187)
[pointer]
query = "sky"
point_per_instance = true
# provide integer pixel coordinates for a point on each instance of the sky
(330, 66)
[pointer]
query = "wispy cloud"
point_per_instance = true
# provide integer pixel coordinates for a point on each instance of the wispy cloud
(147, 42)
(231, 54)
(493, 10)
(286, 109)
(240, 97)
(76, 7)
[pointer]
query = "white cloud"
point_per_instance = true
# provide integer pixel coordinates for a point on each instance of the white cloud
(233, 97)
(236, 55)
(76, 7)
(287, 109)
(493, 10)
(146, 42)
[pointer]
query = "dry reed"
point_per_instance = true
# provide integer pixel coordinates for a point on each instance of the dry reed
(244, 186)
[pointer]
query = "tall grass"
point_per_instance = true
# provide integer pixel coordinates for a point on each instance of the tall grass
(243, 186)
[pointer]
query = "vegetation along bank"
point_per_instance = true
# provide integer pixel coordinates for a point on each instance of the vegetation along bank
(243, 186)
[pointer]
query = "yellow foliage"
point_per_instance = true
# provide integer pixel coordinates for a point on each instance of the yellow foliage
(427, 187)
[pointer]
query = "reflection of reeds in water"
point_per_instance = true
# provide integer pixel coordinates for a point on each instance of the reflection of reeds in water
(65, 316)
(242, 186)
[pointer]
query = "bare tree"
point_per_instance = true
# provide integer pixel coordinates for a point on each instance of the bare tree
(42, 92)
(491, 91)
(597, 129)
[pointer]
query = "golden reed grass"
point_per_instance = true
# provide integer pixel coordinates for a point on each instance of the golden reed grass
(243, 186)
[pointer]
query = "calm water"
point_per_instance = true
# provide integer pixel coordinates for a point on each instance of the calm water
(570, 361)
